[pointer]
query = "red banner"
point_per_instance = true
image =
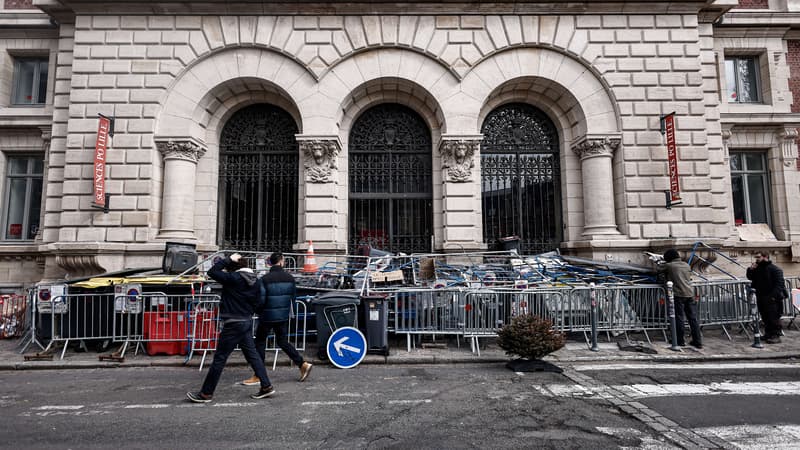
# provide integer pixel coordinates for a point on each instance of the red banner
(100, 162)
(672, 158)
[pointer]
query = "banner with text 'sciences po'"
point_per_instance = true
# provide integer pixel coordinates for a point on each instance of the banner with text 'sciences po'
(672, 158)
(100, 149)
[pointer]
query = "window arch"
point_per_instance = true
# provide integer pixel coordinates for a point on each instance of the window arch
(258, 179)
(521, 178)
(390, 175)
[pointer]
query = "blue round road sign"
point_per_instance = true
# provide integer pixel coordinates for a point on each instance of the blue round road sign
(346, 347)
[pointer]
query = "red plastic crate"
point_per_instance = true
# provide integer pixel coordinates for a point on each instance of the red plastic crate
(165, 333)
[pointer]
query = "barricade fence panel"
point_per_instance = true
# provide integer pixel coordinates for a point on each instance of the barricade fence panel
(791, 304)
(205, 325)
(722, 302)
(428, 311)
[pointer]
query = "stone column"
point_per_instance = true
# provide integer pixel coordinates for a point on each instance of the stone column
(177, 205)
(785, 208)
(461, 193)
(47, 136)
(596, 153)
(320, 215)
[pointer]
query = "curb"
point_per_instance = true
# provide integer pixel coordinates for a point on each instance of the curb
(410, 360)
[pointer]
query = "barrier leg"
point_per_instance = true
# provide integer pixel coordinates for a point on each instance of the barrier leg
(671, 311)
(751, 297)
(593, 298)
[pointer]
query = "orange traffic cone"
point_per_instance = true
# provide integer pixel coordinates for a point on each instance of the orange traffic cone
(310, 265)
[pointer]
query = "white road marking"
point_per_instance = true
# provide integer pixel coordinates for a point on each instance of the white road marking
(350, 394)
(58, 408)
(235, 405)
(153, 406)
(409, 402)
(673, 390)
(683, 366)
(646, 442)
(756, 436)
(329, 403)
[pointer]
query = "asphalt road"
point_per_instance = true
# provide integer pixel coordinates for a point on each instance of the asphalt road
(425, 406)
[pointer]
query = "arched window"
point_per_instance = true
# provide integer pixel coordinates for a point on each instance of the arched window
(390, 175)
(520, 178)
(258, 178)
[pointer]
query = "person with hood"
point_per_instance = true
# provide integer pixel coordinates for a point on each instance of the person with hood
(278, 294)
(240, 294)
(770, 289)
(678, 271)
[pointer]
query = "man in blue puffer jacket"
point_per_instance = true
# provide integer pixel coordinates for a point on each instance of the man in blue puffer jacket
(240, 294)
(279, 291)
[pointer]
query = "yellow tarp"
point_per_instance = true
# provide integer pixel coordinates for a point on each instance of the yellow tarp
(93, 283)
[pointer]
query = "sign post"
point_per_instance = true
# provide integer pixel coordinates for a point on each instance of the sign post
(673, 196)
(346, 347)
(105, 129)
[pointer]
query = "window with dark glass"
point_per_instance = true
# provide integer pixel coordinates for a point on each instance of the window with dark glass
(23, 197)
(749, 184)
(741, 74)
(521, 178)
(30, 81)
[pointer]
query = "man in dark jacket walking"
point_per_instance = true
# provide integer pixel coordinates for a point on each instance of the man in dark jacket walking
(279, 293)
(678, 271)
(770, 291)
(239, 299)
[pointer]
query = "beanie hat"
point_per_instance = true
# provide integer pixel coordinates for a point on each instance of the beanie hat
(671, 255)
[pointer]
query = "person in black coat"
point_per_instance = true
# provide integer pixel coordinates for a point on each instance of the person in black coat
(240, 292)
(770, 291)
(278, 294)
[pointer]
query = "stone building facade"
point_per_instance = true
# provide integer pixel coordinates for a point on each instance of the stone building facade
(190, 83)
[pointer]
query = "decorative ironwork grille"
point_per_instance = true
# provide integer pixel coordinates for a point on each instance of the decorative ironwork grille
(521, 178)
(391, 188)
(258, 178)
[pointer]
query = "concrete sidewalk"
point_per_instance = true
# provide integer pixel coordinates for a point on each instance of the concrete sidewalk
(449, 351)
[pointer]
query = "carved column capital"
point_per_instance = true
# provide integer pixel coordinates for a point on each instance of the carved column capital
(319, 157)
(187, 150)
(588, 147)
(788, 145)
(458, 157)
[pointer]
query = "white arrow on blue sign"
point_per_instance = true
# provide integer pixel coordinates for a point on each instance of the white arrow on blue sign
(346, 347)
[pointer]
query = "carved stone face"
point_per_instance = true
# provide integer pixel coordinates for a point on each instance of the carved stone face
(318, 153)
(460, 152)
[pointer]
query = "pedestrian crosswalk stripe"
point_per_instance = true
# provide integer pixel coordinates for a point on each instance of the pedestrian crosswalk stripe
(782, 388)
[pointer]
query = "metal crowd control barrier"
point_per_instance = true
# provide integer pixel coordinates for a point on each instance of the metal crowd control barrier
(485, 312)
(791, 308)
(156, 320)
(428, 312)
(205, 327)
(79, 317)
(723, 302)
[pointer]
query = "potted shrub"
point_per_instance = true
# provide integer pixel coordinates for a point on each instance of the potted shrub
(530, 337)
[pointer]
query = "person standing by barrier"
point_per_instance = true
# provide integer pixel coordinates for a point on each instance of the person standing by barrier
(240, 295)
(770, 289)
(678, 271)
(278, 294)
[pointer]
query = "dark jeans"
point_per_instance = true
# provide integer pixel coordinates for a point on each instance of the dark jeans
(686, 306)
(281, 338)
(233, 334)
(770, 310)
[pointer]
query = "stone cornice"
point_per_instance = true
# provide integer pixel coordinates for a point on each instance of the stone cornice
(590, 146)
(185, 149)
(458, 157)
(454, 7)
(319, 157)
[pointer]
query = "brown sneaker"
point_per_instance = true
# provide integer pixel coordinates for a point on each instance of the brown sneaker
(305, 369)
(252, 381)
